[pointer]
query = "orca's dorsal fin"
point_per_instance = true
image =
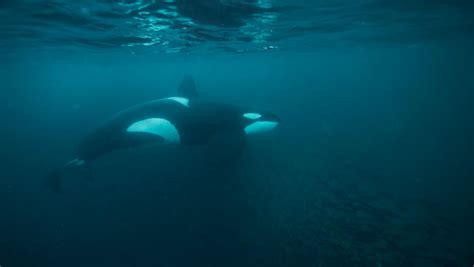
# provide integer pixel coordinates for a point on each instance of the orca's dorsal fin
(187, 88)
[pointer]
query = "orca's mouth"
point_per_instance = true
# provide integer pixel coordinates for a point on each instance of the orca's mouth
(273, 118)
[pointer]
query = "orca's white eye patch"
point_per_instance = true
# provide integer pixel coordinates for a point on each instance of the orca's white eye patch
(260, 127)
(183, 101)
(156, 126)
(252, 116)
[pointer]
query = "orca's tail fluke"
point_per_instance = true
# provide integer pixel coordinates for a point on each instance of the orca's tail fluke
(54, 179)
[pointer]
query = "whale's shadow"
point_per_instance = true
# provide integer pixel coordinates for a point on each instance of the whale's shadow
(169, 199)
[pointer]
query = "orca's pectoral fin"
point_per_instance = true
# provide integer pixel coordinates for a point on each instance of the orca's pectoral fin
(226, 146)
(187, 88)
(54, 179)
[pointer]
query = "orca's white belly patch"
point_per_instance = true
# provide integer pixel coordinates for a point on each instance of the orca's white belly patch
(157, 126)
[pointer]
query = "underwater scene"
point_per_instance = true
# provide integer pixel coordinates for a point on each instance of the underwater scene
(215, 133)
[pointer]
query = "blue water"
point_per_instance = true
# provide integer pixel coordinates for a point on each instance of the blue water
(372, 164)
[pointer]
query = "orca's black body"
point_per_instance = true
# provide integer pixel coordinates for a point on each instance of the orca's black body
(196, 124)
(185, 119)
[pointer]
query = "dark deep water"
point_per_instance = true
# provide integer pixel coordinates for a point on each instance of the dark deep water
(372, 165)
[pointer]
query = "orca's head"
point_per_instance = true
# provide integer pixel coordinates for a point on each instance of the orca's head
(260, 122)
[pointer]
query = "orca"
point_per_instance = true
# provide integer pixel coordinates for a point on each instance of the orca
(184, 119)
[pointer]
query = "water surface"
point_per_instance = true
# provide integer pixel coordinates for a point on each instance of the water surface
(372, 165)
